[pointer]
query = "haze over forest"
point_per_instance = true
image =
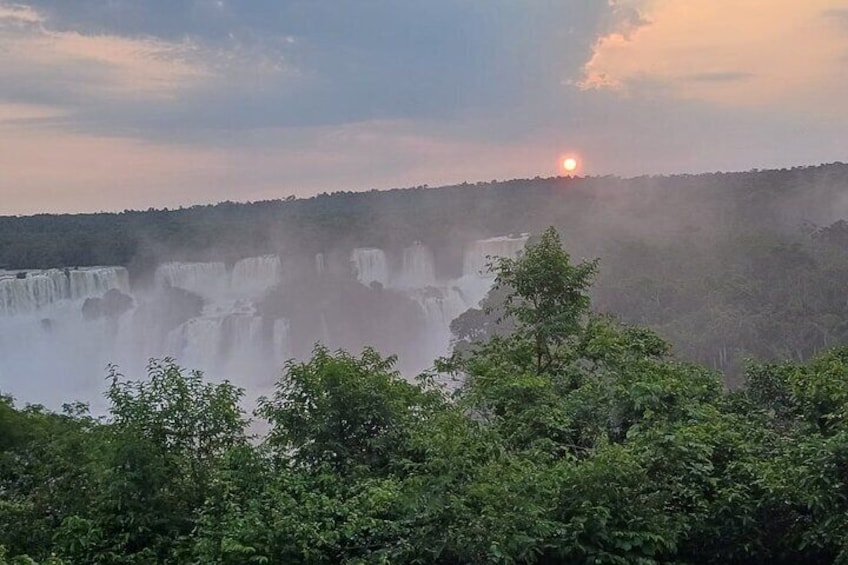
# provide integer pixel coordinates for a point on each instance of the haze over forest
(725, 266)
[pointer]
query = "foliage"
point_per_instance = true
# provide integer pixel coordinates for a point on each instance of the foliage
(548, 296)
(573, 438)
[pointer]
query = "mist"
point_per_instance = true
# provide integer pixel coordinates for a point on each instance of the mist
(708, 261)
(61, 328)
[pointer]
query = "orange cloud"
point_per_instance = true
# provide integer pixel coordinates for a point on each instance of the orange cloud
(779, 54)
(105, 65)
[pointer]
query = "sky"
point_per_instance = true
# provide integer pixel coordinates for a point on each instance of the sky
(128, 104)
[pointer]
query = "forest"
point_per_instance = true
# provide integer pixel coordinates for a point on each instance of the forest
(555, 434)
(725, 266)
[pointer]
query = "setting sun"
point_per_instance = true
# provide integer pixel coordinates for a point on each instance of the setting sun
(569, 164)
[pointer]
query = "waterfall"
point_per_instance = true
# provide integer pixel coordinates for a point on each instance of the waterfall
(477, 255)
(197, 342)
(25, 292)
(241, 346)
(227, 337)
(49, 352)
(87, 283)
(218, 344)
(282, 341)
(417, 269)
(249, 277)
(442, 305)
(205, 279)
(240, 334)
(370, 265)
(212, 318)
(255, 275)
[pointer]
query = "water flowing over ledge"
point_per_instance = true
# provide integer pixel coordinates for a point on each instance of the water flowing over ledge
(217, 317)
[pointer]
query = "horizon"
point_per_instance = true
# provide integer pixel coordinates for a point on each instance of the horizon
(117, 105)
(292, 197)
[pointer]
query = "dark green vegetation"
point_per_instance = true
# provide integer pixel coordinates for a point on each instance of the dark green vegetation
(724, 266)
(572, 439)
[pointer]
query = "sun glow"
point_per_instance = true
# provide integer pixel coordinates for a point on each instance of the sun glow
(569, 164)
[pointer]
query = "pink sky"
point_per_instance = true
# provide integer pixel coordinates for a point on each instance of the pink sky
(664, 86)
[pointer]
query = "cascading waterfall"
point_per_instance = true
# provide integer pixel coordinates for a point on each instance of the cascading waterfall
(370, 266)
(24, 292)
(241, 334)
(219, 345)
(281, 340)
(441, 305)
(477, 255)
(417, 268)
(228, 334)
(254, 275)
(44, 335)
(33, 291)
(207, 316)
(197, 342)
(87, 283)
(439, 301)
(205, 279)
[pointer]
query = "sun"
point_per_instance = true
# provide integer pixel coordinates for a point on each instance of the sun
(569, 164)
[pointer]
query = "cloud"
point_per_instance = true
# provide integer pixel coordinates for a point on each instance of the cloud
(718, 76)
(28, 114)
(90, 72)
(777, 54)
(291, 63)
(18, 15)
(91, 65)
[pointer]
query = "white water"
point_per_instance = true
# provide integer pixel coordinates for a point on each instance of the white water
(50, 353)
(417, 269)
(480, 253)
(255, 275)
(46, 346)
(205, 279)
(226, 339)
(281, 340)
(440, 300)
(24, 292)
(370, 265)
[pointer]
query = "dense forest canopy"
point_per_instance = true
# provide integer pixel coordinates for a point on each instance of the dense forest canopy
(570, 438)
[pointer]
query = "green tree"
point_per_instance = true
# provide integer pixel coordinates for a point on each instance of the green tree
(548, 297)
(166, 437)
(348, 413)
